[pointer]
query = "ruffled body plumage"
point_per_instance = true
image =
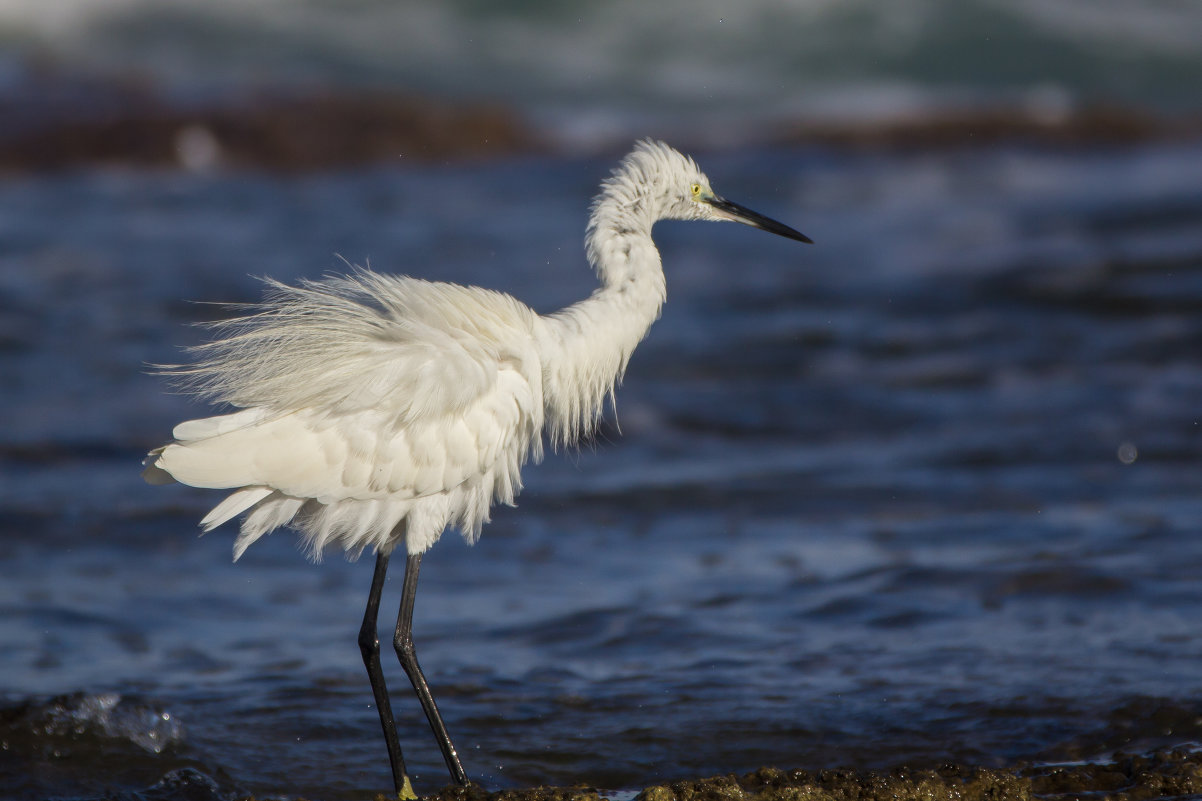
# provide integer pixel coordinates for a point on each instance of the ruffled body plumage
(373, 408)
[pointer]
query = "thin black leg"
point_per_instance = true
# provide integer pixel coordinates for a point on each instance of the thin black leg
(369, 645)
(408, 656)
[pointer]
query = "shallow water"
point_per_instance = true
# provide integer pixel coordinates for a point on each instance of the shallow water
(925, 491)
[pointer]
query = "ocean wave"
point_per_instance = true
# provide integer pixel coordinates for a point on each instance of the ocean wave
(763, 60)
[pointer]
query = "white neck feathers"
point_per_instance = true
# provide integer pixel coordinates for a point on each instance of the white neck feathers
(587, 345)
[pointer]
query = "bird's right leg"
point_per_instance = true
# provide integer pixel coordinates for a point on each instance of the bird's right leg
(369, 645)
(403, 642)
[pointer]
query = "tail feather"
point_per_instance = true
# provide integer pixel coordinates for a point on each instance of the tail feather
(219, 452)
(235, 504)
(271, 514)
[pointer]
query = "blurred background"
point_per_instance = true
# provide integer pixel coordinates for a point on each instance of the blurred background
(310, 82)
(926, 491)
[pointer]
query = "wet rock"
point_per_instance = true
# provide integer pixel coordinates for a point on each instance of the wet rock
(279, 131)
(1163, 774)
(771, 784)
(984, 127)
(477, 793)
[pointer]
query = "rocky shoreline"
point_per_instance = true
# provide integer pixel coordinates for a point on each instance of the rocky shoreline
(51, 122)
(1163, 774)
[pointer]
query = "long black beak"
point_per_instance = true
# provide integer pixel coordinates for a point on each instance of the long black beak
(733, 211)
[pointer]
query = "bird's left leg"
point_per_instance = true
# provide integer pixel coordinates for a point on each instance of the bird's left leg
(369, 645)
(408, 657)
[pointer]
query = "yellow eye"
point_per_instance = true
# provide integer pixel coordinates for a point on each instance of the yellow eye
(696, 190)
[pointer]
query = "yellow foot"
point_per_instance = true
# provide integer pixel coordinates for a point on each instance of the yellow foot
(406, 793)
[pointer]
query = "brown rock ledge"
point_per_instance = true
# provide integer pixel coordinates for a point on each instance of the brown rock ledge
(1163, 774)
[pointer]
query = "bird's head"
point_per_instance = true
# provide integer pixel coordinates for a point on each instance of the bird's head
(682, 191)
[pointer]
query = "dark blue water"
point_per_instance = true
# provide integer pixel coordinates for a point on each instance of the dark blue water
(928, 490)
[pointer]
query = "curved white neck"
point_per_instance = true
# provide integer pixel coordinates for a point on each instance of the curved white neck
(586, 346)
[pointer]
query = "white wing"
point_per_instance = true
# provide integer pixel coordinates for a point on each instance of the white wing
(332, 456)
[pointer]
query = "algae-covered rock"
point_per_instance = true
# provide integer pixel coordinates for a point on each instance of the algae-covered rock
(1163, 774)
(771, 784)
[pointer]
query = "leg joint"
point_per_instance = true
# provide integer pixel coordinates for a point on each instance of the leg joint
(369, 641)
(403, 643)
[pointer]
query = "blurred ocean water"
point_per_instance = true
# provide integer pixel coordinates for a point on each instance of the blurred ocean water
(925, 491)
(590, 72)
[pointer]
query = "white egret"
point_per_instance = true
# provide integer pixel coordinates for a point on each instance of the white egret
(376, 411)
